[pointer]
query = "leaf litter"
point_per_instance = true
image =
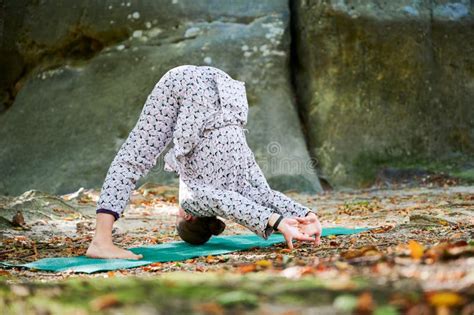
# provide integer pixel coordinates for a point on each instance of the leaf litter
(423, 235)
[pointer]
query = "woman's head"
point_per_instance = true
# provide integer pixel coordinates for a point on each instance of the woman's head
(198, 230)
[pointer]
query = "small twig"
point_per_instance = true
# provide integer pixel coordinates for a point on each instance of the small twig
(45, 214)
(3, 252)
(27, 255)
(35, 250)
(345, 247)
(141, 218)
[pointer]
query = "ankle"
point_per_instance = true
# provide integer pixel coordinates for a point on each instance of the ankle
(102, 239)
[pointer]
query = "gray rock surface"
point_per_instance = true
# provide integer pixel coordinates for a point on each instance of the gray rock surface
(385, 83)
(89, 67)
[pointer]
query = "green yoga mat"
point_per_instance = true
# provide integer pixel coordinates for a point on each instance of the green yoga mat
(173, 251)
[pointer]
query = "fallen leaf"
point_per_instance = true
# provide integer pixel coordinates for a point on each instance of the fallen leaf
(200, 268)
(445, 299)
(18, 219)
(369, 250)
(247, 268)
(210, 308)
(105, 301)
(211, 259)
(365, 302)
(416, 249)
(381, 229)
(264, 263)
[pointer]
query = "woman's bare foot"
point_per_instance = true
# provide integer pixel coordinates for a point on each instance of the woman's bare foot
(109, 250)
(102, 245)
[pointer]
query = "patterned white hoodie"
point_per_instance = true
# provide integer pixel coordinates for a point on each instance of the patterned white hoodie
(203, 111)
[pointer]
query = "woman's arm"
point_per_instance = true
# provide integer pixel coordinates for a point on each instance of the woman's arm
(206, 200)
(300, 222)
(282, 203)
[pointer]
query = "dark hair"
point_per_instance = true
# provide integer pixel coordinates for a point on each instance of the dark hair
(200, 230)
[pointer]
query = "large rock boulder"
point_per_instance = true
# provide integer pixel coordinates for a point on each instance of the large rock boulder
(88, 68)
(385, 83)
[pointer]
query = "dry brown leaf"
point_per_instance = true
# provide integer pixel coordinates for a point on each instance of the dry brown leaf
(105, 301)
(382, 229)
(200, 268)
(211, 259)
(18, 219)
(365, 302)
(247, 268)
(153, 267)
(369, 250)
(209, 308)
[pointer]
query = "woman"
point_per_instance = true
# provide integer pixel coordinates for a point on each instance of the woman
(202, 110)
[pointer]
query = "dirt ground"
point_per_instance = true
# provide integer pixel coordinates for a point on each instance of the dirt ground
(417, 259)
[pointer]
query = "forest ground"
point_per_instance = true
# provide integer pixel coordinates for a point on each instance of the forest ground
(418, 259)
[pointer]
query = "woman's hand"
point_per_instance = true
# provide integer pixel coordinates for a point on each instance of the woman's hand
(310, 225)
(291, 229)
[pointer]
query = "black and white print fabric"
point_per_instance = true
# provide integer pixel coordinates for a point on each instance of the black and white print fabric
(203, 112)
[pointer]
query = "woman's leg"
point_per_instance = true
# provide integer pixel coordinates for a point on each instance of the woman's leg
(137, 155)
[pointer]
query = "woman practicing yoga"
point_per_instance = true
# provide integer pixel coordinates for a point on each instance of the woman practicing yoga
(202, 111)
